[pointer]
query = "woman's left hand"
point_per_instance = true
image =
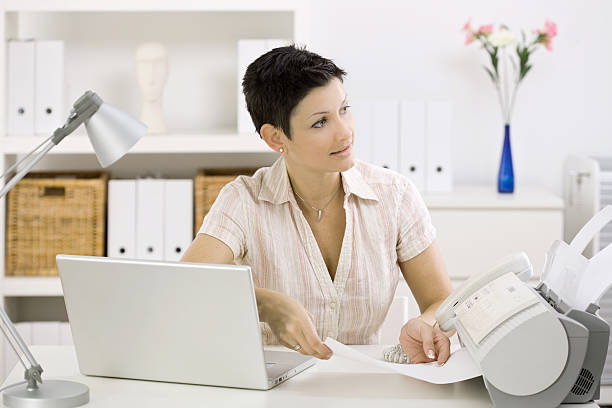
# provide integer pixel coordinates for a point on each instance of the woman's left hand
(424, 343)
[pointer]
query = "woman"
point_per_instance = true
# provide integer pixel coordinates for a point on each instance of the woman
(325, 236)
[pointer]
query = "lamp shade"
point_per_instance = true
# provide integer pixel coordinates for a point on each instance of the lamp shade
(113, 133)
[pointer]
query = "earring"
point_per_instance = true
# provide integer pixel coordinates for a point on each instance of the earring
(281, 150)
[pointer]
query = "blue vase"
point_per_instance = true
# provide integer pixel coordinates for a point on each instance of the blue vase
(505, 177)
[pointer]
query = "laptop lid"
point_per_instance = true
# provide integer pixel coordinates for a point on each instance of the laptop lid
(164, 321)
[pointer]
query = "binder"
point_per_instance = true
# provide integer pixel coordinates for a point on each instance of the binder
(412, 142)
(362, 140)
(121, 241)
(49, 84)
(45, 333)
(65, 334)
(438, 147)
(248, 51)
(20, 72)
(385, 135)
(178, 218)
(149, 219)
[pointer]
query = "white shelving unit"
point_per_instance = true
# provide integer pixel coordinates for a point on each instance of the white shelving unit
(200, 96)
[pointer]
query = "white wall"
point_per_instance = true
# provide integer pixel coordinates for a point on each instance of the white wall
(414, 49)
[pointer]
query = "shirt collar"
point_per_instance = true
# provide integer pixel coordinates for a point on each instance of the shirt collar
(353, 183)
(276, 188)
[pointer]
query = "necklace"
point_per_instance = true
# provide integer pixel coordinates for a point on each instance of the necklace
(318, 210)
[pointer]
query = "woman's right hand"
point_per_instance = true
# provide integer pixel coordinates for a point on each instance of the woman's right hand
(291, 323)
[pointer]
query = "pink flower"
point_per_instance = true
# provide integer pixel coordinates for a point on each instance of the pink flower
(548, 43)
(466, 26)
(469, 37)
(486, 29)
(550, 29)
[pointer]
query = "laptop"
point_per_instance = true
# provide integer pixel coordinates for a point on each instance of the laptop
(180, 322)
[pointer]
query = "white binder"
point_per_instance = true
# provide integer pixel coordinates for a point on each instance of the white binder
(412, 142)
(149, 219)
(362, 140)
(385, 137)
(65, 334)
(248, 51)
(121, 219)
(49, 82)
(45, 333)
(438, 147)
(20, 115)
(178, 218)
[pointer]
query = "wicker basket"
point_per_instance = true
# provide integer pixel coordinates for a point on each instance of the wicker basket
(53, 213)
(208, 184)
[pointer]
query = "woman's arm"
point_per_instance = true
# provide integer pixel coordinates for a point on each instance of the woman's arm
(428, 280)
(289, 321)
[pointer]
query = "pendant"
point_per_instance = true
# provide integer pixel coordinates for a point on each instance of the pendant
(319, 217)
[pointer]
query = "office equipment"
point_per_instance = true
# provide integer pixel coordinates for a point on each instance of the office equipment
(178, 218)
(122, 219)
(181, 322)
(20, 84)
(439, 173)
(150, 198)
(587, 186)
(49, 86)
(112, 133)
(412, 142)
(497, 315)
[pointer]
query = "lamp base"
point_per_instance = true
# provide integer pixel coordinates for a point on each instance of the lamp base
(50, 394)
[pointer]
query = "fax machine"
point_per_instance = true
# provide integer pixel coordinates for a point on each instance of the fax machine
(536, 346)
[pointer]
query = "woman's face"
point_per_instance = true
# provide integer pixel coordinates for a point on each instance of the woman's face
(322, 130)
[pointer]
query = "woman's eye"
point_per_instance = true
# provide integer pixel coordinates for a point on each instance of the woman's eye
(319, 123)
(345, 109)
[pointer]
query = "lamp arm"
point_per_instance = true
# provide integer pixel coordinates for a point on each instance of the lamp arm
(76, 118)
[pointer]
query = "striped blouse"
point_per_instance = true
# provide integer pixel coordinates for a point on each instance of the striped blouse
(387, 222)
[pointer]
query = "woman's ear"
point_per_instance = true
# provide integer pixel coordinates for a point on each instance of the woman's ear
(273, 138)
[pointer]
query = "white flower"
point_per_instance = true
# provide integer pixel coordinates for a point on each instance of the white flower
(502, 38)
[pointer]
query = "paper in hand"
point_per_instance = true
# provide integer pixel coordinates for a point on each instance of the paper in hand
(459, 367)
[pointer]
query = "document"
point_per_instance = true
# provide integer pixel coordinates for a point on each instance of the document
(459, 367)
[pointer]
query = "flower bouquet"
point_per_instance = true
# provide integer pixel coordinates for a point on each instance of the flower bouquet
(509, 65)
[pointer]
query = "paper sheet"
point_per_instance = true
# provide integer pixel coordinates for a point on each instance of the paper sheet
(459, 367)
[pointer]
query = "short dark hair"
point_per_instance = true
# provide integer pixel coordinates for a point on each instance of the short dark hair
(276, 82)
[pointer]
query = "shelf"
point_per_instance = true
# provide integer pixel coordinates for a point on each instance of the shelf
(150, 5)
(32, 286)
(170, 143)
(487, 197)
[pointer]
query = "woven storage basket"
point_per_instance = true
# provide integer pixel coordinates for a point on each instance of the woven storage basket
(208, 184)
(53, 213)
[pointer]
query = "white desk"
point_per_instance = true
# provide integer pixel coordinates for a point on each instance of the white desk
(334, 383)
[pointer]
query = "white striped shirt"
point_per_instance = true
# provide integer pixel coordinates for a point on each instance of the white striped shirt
(387, 222)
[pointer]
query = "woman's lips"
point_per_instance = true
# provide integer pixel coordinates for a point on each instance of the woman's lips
(345, 152)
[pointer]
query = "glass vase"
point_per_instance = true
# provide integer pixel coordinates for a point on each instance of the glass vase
(505, 176)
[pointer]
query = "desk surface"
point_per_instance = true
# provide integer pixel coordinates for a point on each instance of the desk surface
(332, 383)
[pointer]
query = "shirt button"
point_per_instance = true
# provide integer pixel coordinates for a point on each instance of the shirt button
(332, 304)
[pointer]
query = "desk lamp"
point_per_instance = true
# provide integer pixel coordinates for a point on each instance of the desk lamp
(112, 133)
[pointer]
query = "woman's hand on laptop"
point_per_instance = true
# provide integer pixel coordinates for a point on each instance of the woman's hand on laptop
(291, 323)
